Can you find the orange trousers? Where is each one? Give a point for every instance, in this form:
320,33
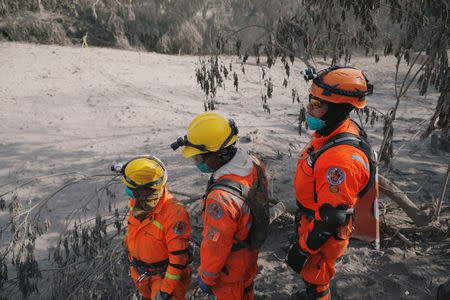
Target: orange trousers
319,267
244,290
149,287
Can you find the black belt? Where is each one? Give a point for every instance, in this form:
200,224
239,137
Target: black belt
237,247
155,265
305,211
145,269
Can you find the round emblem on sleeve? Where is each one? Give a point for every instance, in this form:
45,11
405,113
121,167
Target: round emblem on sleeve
215,211
335,176
179,228
334,189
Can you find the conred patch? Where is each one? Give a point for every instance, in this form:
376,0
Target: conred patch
335,176
215,211
334,188
212,234
179,228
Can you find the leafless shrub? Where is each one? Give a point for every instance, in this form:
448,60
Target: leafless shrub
184,39
33,28
87,256
91,261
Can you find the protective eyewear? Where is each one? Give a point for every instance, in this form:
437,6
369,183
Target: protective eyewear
315,102
180,142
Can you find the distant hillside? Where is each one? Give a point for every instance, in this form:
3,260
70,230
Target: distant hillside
163,26
182,26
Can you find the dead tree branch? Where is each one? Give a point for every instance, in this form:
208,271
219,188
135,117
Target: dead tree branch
393,192
441,197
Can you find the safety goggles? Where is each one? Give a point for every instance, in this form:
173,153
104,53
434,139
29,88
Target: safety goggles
180,142
315,102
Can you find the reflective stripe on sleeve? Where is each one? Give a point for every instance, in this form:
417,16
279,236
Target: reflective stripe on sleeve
241,204
361,160
237,200
246,208
157,224
208,274
171,276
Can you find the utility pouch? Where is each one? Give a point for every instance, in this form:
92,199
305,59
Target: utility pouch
344,232
295,259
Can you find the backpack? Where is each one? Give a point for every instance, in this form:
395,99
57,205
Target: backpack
357,141
257,200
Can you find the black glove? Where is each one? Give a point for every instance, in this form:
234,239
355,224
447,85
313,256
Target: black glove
333,218
296,258
161,296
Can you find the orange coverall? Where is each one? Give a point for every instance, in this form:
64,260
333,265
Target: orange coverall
339,175
162,238
225,266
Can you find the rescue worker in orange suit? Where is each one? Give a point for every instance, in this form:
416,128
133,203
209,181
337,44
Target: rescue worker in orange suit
327,191
226,267
158,232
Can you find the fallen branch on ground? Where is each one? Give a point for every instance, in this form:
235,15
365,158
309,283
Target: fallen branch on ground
399,197
441,196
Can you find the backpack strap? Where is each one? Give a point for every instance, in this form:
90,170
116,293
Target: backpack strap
347,138
242,191
229,185
235,187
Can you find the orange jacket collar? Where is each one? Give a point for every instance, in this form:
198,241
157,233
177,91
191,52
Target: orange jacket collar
343,127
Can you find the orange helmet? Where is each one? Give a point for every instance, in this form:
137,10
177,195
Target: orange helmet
340,85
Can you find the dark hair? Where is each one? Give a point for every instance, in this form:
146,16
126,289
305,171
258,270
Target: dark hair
226,154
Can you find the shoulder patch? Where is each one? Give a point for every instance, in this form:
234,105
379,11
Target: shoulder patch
212,234
335,176
215,211
179,228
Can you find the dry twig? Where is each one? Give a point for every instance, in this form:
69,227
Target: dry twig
441,197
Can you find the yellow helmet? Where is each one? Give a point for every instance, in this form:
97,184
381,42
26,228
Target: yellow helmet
144,172
208,132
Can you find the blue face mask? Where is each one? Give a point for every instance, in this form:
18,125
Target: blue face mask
315,123
129,192
204,168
